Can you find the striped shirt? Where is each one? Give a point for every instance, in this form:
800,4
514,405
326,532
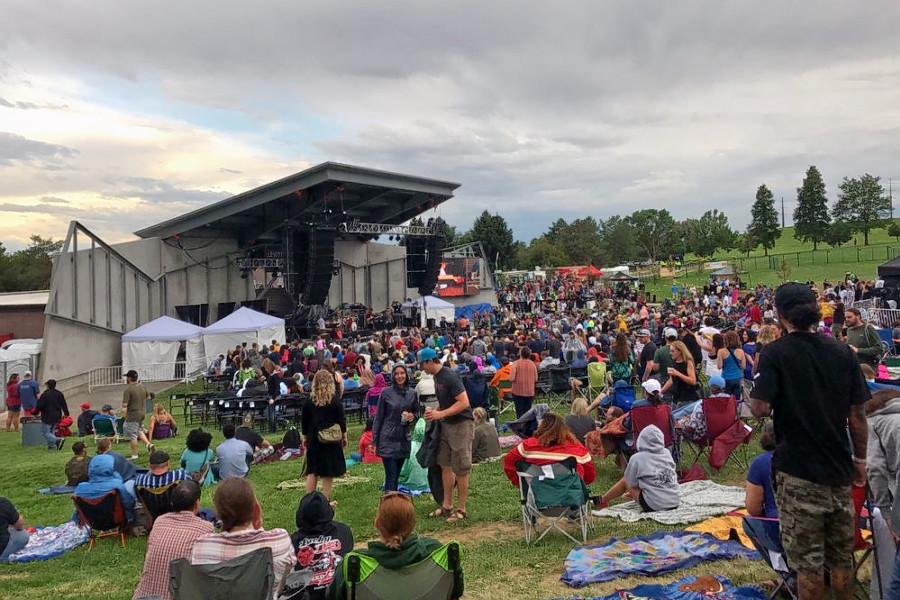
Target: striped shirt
172,537
220,547
523,373
149,480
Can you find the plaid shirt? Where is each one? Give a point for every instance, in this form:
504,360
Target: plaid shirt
219,547
172,537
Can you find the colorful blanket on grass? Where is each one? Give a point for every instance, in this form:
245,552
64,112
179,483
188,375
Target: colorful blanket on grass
705,587
662,552
700,500
50,542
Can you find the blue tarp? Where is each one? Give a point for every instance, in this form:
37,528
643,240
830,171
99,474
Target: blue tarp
468,310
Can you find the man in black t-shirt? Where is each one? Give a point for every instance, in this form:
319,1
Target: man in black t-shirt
13,536
814,387
456,434
261,446
647,352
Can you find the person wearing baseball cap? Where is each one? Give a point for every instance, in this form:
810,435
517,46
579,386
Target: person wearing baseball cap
134,401
159,475
815,390
86,419
658,368
457,432
646,352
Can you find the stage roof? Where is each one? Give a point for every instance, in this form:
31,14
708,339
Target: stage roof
365,194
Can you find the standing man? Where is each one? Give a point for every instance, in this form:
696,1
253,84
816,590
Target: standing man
29,390
814,387
862,338
662,358
52,406
134,401
457,431
648,351
523,374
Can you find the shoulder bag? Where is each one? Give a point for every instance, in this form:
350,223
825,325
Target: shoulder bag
330,435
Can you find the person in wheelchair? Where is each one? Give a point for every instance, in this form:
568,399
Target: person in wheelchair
397,546
552,442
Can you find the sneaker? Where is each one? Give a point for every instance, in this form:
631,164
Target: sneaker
133,457
60,443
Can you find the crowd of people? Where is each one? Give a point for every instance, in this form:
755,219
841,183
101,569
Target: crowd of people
793,353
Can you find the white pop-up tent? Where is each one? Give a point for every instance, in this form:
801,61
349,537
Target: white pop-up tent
156,343
243,325
431,307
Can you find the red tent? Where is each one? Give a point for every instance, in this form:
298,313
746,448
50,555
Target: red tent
581,271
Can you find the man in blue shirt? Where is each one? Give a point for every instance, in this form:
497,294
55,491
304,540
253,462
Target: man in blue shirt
234,455
29,390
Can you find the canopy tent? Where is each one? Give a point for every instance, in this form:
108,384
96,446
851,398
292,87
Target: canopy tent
727,271
581,271
156,343
243,325
620,276
890,271
431,307
468,311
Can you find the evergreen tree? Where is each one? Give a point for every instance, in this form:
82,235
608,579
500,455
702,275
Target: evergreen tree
862,204
811,218
764,229
496,238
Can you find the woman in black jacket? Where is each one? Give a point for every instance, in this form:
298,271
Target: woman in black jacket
397,409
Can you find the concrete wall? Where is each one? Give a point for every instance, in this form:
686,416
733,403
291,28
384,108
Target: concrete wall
71,349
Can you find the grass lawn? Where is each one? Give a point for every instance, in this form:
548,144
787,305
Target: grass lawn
497,563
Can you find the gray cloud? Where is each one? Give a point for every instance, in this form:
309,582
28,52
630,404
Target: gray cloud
15,148
539,109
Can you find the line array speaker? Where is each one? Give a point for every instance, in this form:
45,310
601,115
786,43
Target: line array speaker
433,256
318,266
415,260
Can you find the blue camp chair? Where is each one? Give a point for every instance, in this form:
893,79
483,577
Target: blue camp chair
622,395
765,534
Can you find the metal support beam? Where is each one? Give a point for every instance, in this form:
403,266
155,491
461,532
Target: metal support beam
386,229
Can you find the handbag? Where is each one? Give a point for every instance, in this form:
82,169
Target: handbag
330,435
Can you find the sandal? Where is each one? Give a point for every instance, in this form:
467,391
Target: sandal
458,515
440,512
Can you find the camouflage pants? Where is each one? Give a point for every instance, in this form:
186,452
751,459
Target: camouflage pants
817,524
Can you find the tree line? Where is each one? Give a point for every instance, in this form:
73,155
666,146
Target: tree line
654,234
29,268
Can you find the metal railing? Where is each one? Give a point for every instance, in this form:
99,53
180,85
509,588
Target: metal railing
115,375
884,317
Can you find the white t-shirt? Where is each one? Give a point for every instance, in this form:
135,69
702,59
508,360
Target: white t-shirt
707,333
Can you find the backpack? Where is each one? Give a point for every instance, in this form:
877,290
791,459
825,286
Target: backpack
291,438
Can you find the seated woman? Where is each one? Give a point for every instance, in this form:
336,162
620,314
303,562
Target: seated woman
102,479
366,451
552,442
374,393
162,424
579,421
485,444
320,543
242,532
760,497
397,545
197,457
650,475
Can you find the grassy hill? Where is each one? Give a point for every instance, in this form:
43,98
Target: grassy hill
787,243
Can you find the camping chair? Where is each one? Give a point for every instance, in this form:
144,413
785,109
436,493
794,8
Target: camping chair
721,415
766,537
105,516
661,416
556,493
862,508
596,378
622,395
429,579
104,428
250,576
558,388
157,501
504,402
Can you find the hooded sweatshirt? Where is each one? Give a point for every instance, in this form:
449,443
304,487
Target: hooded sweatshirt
391,435
321,544
102,480
414,549
883,455
653,471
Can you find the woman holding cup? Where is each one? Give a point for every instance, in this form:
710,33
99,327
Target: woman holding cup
395,413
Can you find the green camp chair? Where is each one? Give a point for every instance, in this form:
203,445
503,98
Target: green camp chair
105,428
556,494
597,382
430,579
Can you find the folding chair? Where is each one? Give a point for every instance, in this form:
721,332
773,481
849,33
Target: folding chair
555,493
596,372
622,395
720,414
505,404
250,576
765,534
432,578
354,404
105,516
661,416
558,387
157,501
104,428
862,508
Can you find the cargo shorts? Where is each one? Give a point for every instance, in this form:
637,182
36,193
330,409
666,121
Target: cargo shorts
817,524
131,430
455,449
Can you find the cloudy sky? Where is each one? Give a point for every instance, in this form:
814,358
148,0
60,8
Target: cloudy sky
121,114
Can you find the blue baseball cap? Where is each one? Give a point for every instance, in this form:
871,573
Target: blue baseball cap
717,381
426,354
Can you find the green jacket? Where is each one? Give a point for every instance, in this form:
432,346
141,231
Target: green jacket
414,549
867,342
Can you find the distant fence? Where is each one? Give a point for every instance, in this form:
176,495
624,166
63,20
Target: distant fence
845,254
109,376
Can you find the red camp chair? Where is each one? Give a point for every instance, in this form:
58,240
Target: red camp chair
721,423
661,416
862,508
105,516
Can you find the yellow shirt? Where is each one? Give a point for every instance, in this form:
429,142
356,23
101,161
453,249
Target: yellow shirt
826,310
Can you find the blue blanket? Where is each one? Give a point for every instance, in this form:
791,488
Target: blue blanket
58,489
662,552
706,587
50,542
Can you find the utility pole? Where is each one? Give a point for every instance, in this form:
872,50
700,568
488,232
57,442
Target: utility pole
782,212
891,196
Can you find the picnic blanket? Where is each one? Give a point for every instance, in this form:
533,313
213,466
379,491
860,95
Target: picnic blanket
699,500
57,489
728,527
662,552
508,441
705,587
299,484
50,542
